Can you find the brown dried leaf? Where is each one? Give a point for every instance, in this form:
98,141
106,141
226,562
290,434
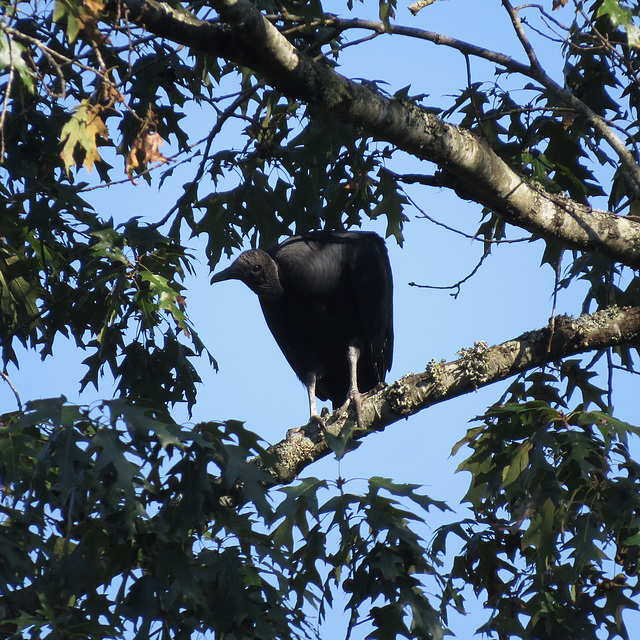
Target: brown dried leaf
145,149
95,5
567,120
110,92
88,24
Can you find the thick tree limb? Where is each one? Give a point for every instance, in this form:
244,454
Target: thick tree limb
475,171
567,98
477,367
533,71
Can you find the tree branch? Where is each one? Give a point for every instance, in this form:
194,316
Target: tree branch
466,48
533,71
475,171
567,98
477,367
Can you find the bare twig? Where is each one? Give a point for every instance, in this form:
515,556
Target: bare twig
458,285
544,13
522,36
472,97
346,45
554,306
469,236
463,47
15,392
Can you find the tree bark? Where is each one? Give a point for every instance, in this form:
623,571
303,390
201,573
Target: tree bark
477,367
476,173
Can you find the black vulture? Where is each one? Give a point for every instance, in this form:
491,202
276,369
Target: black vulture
327,298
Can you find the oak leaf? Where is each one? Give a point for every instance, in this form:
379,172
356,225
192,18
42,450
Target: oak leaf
79,136
145,149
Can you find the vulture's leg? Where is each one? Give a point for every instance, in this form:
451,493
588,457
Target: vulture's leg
354,397
314,418
310,383
311,391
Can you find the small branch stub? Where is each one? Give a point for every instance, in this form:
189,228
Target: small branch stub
419,5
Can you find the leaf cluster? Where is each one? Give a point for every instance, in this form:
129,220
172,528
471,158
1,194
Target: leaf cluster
370,550
114,520
115,291
104,517
556,501
297,172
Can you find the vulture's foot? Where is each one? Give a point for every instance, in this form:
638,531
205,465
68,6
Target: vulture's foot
354,400
313,429
319,420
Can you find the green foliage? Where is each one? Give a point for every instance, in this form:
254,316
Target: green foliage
555,498
113,497
92,279
118,522
377,554
327,175
12,58
113,519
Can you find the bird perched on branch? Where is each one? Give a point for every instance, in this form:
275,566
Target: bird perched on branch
327,299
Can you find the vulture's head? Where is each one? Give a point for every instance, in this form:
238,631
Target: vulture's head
258,270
